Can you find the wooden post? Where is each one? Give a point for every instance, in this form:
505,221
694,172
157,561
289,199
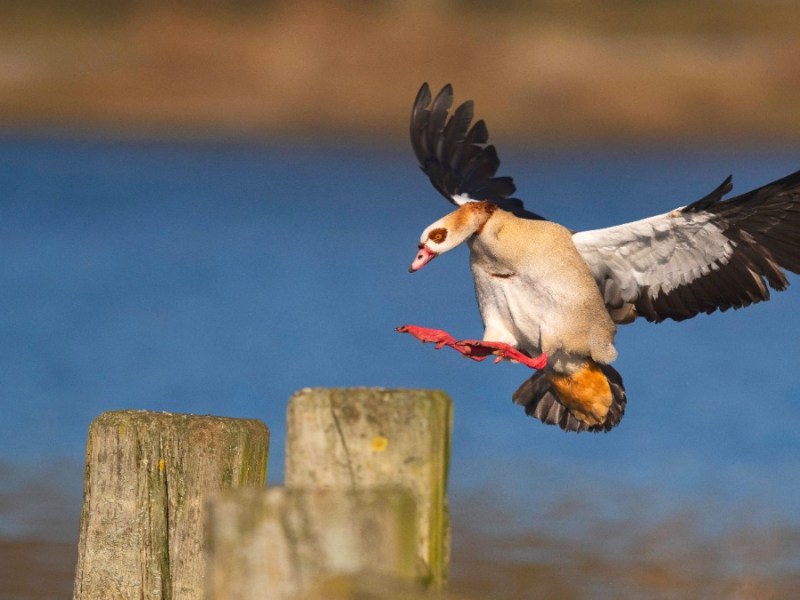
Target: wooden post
278,543
365,438
146,478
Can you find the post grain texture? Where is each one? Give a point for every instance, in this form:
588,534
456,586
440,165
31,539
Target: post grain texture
277,543
366,438
146,480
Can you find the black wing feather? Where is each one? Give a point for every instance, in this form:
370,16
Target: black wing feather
760,233
764,225
455,156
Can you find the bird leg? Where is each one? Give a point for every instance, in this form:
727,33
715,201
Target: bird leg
502,351
475,349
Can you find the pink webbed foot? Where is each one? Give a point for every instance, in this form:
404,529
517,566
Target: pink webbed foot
425,334
475,349
441,339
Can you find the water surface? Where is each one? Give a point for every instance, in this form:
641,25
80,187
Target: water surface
222,277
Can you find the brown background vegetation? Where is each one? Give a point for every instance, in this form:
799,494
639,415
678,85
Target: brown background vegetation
543,71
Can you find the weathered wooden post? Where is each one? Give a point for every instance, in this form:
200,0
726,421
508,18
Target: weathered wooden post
279,543
146,479
366,438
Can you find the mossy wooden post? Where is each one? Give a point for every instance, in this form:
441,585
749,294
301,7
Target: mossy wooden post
146,479
364,438
279,543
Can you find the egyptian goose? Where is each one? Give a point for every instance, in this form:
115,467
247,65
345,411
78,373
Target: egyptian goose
551,298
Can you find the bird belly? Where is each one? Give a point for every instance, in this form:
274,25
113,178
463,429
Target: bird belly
545,315
512,311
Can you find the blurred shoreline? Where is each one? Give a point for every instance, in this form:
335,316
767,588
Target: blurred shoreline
564,549
548,71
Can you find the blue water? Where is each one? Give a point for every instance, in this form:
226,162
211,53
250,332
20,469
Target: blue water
222,277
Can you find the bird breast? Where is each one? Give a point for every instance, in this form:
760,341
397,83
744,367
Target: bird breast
531,282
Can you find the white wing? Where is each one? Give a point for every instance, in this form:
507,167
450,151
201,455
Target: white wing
706,256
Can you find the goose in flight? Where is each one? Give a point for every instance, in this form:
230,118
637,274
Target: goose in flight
551,298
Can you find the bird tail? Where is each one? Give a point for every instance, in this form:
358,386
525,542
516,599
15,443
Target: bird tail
590,399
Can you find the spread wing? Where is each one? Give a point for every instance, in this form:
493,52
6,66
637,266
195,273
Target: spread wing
455,156
709,255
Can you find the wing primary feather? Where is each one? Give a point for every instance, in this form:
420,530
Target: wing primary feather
478,133
419,123
712,198
436,122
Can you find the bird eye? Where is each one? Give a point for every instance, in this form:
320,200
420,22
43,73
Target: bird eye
438,235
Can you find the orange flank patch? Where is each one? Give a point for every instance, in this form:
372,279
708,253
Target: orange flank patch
586,393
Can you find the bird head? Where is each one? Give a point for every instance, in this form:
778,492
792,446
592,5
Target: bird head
451,230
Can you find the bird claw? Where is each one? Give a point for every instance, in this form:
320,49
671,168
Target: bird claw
477,350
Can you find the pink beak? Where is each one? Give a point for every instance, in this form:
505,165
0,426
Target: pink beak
424,256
